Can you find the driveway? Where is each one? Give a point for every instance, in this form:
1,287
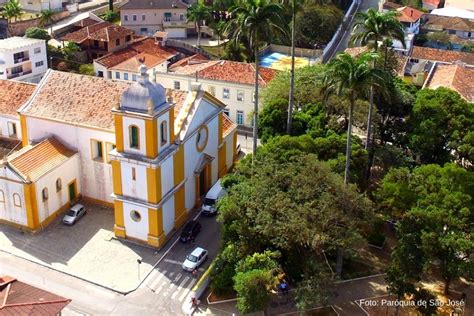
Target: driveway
87,250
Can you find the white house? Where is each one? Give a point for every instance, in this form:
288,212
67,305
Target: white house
38,5
411,19
23,59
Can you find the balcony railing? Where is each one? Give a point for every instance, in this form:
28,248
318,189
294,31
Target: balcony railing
20,60
177,23
19,74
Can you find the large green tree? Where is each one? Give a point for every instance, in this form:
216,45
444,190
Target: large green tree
441,128
257,21
12,10
435,205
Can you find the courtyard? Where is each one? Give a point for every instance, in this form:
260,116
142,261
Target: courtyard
87,250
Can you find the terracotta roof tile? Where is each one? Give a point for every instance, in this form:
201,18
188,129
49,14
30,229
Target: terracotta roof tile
194,59
18,298
457,77
79,99
433,22
101,31
76,99
449,56
227,125
14,94
225,70
145,45
32,162
409,14
85,22
432,2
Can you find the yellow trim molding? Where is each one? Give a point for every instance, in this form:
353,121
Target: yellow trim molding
156,236
180,213
222,168
178,165
153,177
219,131
117,177
119,228
235,145
31,206
119,132
171,125
24,130
151,138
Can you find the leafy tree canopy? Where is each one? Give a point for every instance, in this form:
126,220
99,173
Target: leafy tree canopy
38,33
441,127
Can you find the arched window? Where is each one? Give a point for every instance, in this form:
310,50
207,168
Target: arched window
2,197
134,132
59,185
44,194
16,200
164,133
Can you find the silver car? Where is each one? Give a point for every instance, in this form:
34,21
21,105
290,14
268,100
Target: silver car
195,259
74,214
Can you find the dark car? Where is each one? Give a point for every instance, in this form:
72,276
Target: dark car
190,231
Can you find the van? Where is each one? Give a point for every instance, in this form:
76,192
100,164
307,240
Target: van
212,196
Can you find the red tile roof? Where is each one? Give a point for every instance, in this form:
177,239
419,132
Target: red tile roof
196,58
225,70
76,99
227,125
146,45
85,22
80,99
457,77
101,31
432,2
32,162
409,14
14,94
449,56
18,298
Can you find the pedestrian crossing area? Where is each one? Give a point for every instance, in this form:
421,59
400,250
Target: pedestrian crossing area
170,284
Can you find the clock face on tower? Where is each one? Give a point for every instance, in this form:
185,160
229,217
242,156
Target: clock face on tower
201,138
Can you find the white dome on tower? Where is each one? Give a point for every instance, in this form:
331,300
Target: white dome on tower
143,96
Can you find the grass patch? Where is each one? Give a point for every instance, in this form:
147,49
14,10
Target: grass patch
214,50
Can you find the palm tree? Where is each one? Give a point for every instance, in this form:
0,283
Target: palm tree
352,78
257,21
218,28
198,13
12,10
370,28
46,18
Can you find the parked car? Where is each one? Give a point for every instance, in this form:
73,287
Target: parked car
195,259
190,231
214,194
74,214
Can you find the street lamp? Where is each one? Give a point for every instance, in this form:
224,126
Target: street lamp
139,261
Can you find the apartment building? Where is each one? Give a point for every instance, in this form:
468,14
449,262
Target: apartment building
147,17
23,59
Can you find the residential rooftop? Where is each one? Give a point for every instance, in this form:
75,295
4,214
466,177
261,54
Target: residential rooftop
460,4
434,3
434,22
16,42
18,298
457,77
448,56
408,14
13,94
34,161
145,49
100,31
155,4
224,70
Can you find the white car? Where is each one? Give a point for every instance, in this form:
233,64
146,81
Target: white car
74,213
195,259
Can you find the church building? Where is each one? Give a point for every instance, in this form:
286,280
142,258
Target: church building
150,153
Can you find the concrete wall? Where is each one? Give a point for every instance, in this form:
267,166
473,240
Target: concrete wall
6,130
67,172
19,28
11,185
38,5
96,176
153,18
